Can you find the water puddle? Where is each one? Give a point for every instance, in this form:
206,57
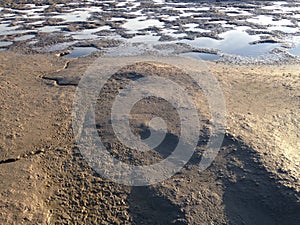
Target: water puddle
89,33
170,18
193,23
5,43
85,36
141,23
235,42
144,38
201,56
14,31
5,29
194,27
284,29
75,16
269,20
255,50
279,7
37,22
78,52
24,37
50,29
295,51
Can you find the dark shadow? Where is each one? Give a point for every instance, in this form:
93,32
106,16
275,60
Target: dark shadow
253,196
166,147
148,208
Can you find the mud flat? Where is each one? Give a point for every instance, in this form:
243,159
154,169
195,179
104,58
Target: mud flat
45,180
251,48
259,31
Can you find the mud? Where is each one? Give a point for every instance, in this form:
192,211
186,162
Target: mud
253,180
275,24
252,48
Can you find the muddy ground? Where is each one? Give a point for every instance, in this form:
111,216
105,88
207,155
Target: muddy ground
268,31
255,179
45,180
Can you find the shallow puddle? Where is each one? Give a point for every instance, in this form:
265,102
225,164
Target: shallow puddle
5,43
284,29
144,38
235,42
5,29
24,37
142,23
89,33
78,52
295,51
195,24
49,29
269,20
201,56
75,16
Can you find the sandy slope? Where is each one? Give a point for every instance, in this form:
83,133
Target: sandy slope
44,180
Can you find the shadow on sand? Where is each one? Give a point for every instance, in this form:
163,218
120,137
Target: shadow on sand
254,197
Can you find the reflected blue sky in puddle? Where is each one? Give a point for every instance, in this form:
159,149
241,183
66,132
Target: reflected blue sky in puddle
202,56
295,51
5,43
78,52
25,37
142,22
89,33
74,16
234,42
148,38
50,29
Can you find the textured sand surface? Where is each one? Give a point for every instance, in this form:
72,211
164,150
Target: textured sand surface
44,180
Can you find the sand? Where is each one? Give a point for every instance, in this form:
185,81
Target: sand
45,180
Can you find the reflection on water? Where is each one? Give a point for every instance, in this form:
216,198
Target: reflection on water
142,23
269,20
234,42
25,37
202,56
50,29
295,51
194,27
285,29
81,52
89,33
75,16
5,43
144,38
174,22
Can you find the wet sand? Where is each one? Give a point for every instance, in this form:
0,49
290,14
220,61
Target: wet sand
258,32
253,180
45,180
